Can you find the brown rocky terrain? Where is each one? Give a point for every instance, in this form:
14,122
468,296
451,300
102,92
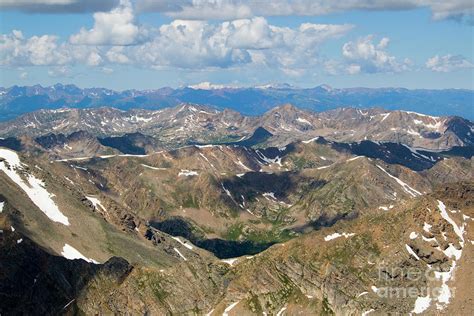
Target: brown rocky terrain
102,222
347,269
188,123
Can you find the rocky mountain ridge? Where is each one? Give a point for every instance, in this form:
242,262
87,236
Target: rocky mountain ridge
190,123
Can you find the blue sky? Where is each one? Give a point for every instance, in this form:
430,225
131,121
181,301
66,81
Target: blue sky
146,44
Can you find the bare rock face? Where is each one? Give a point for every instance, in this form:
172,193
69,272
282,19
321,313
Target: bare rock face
34,282
458,194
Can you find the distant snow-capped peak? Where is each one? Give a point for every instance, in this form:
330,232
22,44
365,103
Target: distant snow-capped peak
206,85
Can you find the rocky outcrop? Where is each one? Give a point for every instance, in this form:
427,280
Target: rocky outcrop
32,281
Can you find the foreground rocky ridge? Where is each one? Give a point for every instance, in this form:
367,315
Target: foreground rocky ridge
347,269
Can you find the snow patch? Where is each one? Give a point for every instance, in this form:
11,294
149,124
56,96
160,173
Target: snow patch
96,202
207,146
137,118
268,195
180,254
416,154
451,251
444,293
385,115
337,235
420,114
427,227
32,186
187,173
310,140
227,191
302,120
408,189
70,181
458,230
367,312
230,261
421,304
205,158
411,252
354,158
323,167
154,168
229,308
276,160
243,166
71,253
184,243
412,132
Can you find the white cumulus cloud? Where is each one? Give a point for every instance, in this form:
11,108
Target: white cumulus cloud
366,56
200,44
116,27
45,50
184,44
116,55
189,44
36,50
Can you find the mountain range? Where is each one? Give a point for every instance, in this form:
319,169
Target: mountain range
257,100
198,210
194,124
